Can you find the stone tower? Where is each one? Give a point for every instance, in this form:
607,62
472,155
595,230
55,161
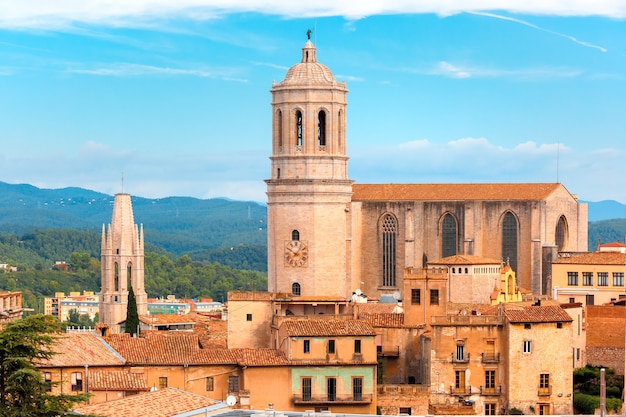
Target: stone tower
122,265
309,192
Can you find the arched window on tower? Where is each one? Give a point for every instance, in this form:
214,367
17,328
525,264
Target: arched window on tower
129,274
295,288
509,240
116,276
561,233
389,230
340,130
448,236
298,128
321,128
279,127
295,235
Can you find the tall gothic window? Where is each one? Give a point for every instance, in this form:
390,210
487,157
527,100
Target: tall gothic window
321,128
129,274
389,232
116,276
298,128
340,130
561,233
509,240
295,288
448,236
279,126
295,235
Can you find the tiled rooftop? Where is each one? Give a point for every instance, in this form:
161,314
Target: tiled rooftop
452,192
465,260
80,349
383,319
536,314
312,327
156,319
117,381
594,258
161,403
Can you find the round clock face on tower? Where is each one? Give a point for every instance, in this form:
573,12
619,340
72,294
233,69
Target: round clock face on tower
296,253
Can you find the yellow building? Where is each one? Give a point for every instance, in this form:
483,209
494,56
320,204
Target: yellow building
592,278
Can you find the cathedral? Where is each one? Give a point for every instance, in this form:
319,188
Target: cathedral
328,236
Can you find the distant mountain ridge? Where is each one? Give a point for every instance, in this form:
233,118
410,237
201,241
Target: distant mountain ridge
178,224
185,224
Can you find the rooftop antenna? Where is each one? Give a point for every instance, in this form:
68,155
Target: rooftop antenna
122,182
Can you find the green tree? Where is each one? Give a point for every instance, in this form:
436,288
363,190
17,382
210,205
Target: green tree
132,316
23,343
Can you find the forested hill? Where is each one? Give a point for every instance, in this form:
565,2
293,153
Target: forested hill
179,225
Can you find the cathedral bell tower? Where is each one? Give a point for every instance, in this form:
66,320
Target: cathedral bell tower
309,192
122,265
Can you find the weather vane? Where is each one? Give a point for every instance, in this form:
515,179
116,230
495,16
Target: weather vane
308,34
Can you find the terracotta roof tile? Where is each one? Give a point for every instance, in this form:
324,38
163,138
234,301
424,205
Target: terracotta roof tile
383,319
161,403
612,245
374,308
453,192
594,258
465,260
313,327
80,349
260,357
155,319
117,381
536,314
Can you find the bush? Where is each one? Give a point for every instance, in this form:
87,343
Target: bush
515,411
585,403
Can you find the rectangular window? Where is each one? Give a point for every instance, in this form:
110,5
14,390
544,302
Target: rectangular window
77,381
618,279
544,383
459,381
357,389
404,411
357,346
588,278
331,389
416,296
233,384
572,278
434,297
490,409
603,279
47,377
306,389
460,352
210,383
307,346
527,346
527,326
331,346
162,382
248,317
490,379
589,299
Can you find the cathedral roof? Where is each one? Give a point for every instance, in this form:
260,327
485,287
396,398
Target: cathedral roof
308,71
453,192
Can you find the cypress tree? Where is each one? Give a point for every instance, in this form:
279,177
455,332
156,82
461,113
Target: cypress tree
132,316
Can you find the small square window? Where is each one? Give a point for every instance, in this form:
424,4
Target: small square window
559,325
248,317
162,382
210,383
527,326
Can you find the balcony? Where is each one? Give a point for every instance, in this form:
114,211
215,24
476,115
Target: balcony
300,399
490,357
491,390
460,359
544,390
461,390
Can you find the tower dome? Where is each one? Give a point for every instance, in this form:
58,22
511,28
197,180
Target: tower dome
308,71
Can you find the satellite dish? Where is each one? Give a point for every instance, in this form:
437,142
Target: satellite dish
231,400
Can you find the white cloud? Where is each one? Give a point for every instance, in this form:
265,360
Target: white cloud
132,70
45,14
460,71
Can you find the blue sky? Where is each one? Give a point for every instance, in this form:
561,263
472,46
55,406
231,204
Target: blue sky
174,95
